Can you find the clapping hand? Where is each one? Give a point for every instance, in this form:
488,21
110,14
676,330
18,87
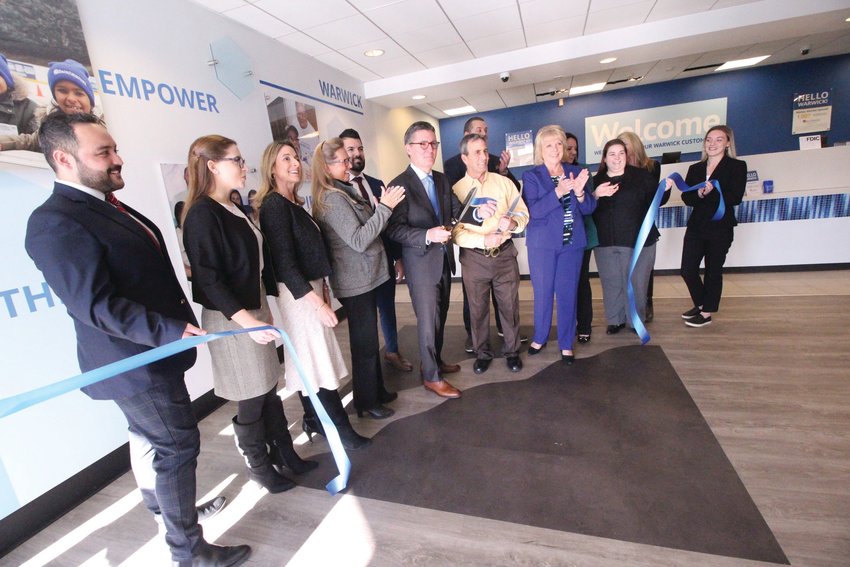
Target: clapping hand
606,189
392,196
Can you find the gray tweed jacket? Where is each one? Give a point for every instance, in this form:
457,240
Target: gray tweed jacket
352,232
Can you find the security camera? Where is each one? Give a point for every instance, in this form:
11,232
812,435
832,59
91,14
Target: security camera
804,50
505,77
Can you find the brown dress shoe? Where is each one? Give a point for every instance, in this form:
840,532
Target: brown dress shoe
442,388
398,362
449,368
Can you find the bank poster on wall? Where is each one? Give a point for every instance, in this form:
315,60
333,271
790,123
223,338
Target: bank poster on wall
36,334
812,112
521,147
672,128
297,122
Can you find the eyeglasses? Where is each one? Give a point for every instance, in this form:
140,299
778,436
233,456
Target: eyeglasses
238,160
346,160
424,145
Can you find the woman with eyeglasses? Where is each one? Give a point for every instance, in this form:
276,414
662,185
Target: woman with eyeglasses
352,230
301,265
231,275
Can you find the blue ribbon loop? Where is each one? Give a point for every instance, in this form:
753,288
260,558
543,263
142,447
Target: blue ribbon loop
18,402
643,234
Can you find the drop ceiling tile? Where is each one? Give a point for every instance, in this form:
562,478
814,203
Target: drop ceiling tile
427,39
500,43
551,11
475,8
392,50
493,22
485,101
304,44
516,96
539,33
346,32
364,5
396,66
298,15
720,56
407,15
727,3
445,55
605,5
257,19
220,5
766,48
666,9
629,71
619,17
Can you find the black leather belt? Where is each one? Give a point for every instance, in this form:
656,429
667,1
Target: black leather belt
493,252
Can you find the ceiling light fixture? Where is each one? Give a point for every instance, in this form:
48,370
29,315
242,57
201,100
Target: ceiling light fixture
587,89
418,96
738,63
373,52
608,60
460,110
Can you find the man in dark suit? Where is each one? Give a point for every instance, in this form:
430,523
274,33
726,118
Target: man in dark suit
370,188
455,171
109,265
419,224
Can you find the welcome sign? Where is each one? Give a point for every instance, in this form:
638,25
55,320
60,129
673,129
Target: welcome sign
673,128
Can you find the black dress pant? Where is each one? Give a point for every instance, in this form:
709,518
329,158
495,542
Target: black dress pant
712,246
584,307
366,376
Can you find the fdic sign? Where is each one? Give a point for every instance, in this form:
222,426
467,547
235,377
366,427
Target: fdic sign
673,128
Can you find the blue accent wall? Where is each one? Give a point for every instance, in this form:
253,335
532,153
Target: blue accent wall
759,106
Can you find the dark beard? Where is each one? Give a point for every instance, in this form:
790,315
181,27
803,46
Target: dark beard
99,180
358,165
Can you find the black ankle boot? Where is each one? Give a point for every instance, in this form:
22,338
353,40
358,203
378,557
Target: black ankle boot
251,442
333,405
277,433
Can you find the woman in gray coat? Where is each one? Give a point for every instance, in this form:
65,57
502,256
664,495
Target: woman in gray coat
352,226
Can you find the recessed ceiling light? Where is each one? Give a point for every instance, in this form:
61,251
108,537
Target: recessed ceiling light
608,60
373,52
847,19
460,110
738,63
587,88
418,96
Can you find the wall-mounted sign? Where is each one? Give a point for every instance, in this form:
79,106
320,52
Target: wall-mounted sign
673,128
521,147
812,112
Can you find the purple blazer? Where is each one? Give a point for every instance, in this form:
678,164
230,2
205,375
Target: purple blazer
546,225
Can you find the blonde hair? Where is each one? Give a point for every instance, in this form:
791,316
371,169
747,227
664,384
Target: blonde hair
268,185
322,179
201,179
638,151
730,135
545,132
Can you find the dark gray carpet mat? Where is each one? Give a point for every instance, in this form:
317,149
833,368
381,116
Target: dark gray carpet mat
613,446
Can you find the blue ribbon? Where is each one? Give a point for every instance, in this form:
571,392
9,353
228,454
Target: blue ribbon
18,402
643,234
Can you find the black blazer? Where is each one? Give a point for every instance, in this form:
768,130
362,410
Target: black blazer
732,175
456,169
295,241
618,217
225,259
411,220
118,287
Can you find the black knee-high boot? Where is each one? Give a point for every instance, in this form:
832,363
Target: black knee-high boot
251,442
333,405
280,441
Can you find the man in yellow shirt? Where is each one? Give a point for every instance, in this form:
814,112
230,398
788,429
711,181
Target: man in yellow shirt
487,253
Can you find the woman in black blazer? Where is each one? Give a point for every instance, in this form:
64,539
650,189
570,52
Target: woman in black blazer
705,238
301,265
231,276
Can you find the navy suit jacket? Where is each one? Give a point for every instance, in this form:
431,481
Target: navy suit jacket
411,220
118,287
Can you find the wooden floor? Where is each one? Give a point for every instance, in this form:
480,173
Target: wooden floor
771,375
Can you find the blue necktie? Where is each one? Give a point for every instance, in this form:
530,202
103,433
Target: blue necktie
428,181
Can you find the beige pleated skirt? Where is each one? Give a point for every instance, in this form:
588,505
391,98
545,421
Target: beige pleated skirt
242,368
315,344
